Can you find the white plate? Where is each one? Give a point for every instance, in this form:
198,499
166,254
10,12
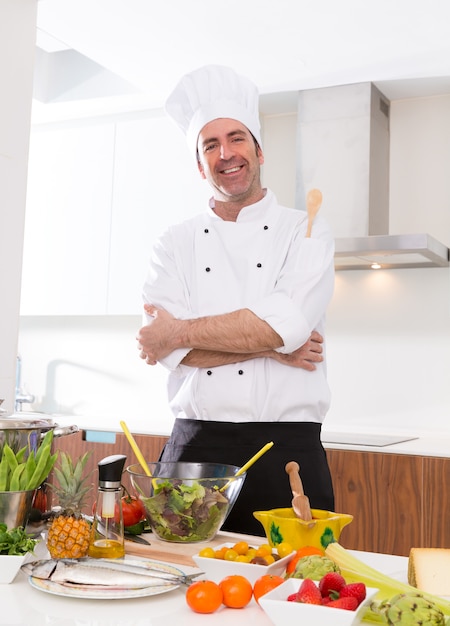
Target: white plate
61,589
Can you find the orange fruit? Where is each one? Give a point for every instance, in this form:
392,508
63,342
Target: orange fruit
266,583
237,591
299,554
204,596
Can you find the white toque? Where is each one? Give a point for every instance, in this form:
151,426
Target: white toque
209,93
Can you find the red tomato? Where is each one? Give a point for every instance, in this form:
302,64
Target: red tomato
133,511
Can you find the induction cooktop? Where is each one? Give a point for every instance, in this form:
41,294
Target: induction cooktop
363,439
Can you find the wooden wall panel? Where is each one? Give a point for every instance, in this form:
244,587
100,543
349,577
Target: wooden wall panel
384,494
436,502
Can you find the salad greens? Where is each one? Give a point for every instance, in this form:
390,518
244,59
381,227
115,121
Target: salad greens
15,541
186,513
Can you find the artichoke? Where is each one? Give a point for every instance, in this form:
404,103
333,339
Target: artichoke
314,567
411,609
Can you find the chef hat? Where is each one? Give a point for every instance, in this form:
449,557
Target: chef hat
209,93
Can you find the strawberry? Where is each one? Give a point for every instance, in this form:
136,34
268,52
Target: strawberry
331,584
309,592
292,597
350,603
354,590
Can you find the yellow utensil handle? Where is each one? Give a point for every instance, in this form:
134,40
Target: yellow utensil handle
254,458
250,462
135,448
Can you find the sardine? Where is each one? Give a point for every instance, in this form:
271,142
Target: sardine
102,573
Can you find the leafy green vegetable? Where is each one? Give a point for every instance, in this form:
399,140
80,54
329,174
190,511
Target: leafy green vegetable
15,541
20,474
185,513
136,529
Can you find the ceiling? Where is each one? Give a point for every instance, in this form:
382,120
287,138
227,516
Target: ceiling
100,56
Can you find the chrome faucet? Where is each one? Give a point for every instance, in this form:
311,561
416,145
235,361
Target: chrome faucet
21,397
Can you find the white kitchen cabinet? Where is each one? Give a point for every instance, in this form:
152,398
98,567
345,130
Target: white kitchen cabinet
98,195
67,224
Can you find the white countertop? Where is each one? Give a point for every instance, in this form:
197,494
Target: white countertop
424,444
438,446
23,605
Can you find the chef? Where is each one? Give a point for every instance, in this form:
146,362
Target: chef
235,303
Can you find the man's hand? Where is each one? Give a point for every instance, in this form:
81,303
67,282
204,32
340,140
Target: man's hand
305,356
158,338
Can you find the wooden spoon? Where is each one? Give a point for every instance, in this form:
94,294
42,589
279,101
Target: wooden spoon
300,502
313,204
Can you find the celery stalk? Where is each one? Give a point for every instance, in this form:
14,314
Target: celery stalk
354,570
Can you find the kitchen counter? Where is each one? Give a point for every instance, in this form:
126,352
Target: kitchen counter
421,443
23,605
415,443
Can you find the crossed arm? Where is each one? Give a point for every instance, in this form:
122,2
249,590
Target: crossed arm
221,340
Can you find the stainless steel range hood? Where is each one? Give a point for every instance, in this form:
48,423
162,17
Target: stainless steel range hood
343,148
390,252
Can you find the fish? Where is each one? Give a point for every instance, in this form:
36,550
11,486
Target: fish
103,573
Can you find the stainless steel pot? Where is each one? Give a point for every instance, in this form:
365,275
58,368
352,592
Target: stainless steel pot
19,430
15,507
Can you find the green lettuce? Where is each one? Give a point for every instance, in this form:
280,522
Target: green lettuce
185,513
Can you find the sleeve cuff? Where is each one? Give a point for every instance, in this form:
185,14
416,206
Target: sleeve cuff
173,360
284,317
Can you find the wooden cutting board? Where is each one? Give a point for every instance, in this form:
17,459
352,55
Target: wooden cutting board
182,553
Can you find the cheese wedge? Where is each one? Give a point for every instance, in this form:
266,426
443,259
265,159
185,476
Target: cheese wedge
429,570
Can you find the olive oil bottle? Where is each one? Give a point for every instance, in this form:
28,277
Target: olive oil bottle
107,532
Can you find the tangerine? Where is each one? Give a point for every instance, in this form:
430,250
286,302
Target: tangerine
264,584
237,591
299,554
204,596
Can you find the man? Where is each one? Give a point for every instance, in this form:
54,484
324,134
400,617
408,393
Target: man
235,300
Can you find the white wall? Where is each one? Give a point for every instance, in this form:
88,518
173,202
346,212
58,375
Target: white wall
388,331
89,367
17,45
389,341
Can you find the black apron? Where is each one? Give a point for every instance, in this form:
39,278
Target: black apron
266,485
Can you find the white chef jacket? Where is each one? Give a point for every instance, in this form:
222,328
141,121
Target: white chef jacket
262,262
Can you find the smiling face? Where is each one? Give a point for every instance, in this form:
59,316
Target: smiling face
230,161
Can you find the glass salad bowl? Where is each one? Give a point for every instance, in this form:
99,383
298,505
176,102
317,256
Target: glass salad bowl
186,502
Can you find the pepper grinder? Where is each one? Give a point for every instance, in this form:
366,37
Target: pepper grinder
107,537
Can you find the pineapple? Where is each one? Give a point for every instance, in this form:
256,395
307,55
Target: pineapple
68,534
